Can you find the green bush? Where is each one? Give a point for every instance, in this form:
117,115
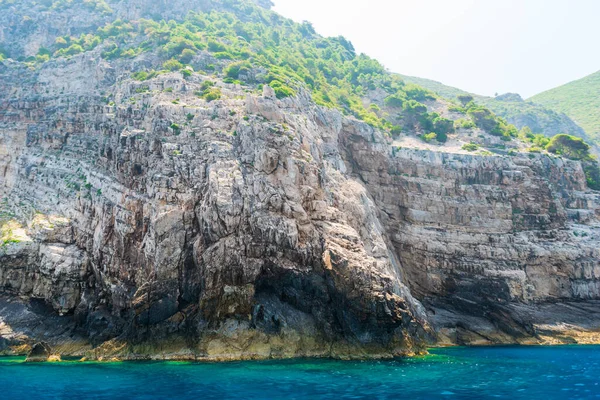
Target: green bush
464,124
470,147
441,137
483,118
442,125
395,101
418,93
396,130
69,51
281,89
540,140
414,107
144,75
216,47
233,70
172,65
456,109
206,85
569,146
212,94
592,175
186,56
428,137
464,99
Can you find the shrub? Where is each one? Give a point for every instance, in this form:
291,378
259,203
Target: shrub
395,101
396,130
172,65
414,107
463,124
69,51
592,175
441,137
428,137
442,125
233,70
483,118
60,43
470,147
186,56
569,146
418,93
144,75
540,140
456,109
212,94
216,47
281,89
464,99
525,134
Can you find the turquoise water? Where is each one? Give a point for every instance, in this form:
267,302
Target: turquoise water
461,373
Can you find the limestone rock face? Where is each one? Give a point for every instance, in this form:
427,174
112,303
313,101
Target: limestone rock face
241,234
159,225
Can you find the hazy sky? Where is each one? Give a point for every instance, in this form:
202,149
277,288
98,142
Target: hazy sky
483,46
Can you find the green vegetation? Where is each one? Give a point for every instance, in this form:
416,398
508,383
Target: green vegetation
484,119
245,39
576,149
470,147
211,94
464,124
253,46
579,100
569,146
540,118
538,140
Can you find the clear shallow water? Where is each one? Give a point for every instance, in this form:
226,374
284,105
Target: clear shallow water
462,373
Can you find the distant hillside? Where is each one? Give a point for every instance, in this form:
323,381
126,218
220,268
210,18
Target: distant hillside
580,100
539,118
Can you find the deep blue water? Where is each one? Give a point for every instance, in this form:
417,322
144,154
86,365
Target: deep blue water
570,372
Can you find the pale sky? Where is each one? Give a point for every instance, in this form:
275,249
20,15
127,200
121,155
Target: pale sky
482,46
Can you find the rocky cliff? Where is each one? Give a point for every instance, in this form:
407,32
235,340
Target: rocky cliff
162,224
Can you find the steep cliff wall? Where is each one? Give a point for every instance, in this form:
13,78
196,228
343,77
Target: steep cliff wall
223,229
139,219
257,227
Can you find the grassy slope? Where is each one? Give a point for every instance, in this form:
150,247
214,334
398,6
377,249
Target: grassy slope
579,99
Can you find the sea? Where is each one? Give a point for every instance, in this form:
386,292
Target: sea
563,372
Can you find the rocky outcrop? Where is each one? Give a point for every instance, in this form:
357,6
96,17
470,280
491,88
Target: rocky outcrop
40,352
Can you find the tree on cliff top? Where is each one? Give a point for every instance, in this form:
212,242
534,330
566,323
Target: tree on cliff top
569,146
